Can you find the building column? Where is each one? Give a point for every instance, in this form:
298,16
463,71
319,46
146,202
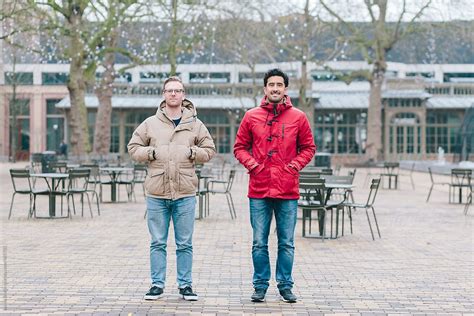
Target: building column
37,122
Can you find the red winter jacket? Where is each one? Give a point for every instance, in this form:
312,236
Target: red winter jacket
274,142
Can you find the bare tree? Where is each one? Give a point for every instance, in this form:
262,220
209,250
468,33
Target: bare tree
299,35
374,44
117,13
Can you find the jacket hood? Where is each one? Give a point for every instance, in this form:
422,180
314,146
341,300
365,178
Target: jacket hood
280,107
187,107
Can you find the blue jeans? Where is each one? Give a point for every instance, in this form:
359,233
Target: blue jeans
159,213
261,211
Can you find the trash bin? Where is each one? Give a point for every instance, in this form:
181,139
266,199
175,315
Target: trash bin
46,158
322,160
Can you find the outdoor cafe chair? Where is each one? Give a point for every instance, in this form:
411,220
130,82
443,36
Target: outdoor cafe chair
225,188
314,197
126,179
433,183
77,185
140,172
58,166
391,170
460,181
22,185
94,181
374,187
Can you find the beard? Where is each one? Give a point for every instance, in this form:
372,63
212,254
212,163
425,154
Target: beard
275,98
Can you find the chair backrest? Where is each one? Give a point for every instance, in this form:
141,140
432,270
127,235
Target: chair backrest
230,181
140,172
391,167
58,166
326,171
374,188
338,179
94,175
78,179
352,173
461,177
20,179
315,189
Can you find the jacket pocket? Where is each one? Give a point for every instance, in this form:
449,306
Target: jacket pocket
187,181
155,182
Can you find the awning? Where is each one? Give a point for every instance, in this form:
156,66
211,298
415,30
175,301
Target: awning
450,102
139,102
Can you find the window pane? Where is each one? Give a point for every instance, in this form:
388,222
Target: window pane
55,133
54,78
19,78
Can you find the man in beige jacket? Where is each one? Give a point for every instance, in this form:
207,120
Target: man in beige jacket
172,142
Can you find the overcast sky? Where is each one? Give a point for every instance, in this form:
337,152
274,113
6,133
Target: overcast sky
440,10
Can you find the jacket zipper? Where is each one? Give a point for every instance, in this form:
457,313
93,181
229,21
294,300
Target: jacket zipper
282,131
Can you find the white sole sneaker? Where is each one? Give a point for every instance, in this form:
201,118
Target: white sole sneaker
190,298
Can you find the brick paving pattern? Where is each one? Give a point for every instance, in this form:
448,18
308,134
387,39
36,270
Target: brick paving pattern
423,264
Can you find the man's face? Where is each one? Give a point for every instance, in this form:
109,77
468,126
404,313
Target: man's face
174,93
275,89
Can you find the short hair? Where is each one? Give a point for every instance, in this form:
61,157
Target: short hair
275,72
172,78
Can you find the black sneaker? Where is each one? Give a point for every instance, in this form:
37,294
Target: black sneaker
188,294
288,296
259,295
154,293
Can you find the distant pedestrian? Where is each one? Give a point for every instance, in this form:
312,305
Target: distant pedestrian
172,141
274,142
63,149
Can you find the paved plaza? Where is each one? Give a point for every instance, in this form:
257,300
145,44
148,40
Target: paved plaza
423,264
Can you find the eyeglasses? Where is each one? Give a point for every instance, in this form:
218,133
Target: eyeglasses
175,91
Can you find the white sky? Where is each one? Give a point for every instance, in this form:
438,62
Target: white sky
439,10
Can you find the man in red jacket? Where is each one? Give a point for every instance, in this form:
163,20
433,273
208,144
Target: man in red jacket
274,142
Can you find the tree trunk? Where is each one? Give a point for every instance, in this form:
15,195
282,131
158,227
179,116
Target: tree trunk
373,151
173,42
104,94
77,87
305,103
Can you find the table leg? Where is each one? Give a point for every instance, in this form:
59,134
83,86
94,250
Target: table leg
52,204
52,199
113,187
200,205
113,192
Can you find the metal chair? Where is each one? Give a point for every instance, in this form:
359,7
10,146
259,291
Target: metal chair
77,185
22,185
433,183
460,180
391,170
374,187
93,181
140,172
58,166
225,189
313,197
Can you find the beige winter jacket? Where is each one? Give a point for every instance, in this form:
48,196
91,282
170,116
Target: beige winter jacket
171,169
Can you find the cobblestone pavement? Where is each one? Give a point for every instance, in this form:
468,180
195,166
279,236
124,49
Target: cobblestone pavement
423,264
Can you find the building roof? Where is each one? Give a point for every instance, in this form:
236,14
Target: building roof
405,94
333,100
132,102
343,100
450,102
